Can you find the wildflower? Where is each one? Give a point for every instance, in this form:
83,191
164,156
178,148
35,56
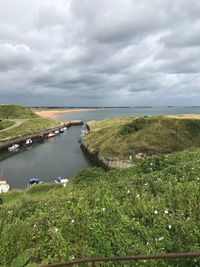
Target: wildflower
155,212
170,226
72,221
34,225
56,229
138,195
103,209
128,191
72,257
161,238
166,211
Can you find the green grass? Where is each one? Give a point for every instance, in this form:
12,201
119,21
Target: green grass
150,135
30,126
16,112
5,124
153,207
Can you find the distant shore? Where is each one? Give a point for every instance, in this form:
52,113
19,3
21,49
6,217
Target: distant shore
54,113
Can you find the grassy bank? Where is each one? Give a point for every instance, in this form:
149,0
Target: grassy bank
16,112
5,124
29,127
153,207
29,122
121,137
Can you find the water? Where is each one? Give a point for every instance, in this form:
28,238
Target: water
61,156
116,112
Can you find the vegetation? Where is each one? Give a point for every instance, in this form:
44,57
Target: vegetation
29,127
149,135
28,121
5,124
153,207
16,112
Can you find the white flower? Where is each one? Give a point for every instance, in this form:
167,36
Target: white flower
56,229
72,257
72,221
128,191
166,211
155,212
170,226
103,209
160,238
34,225
137,195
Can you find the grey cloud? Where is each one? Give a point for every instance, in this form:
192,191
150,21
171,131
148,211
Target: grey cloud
74,52
14,56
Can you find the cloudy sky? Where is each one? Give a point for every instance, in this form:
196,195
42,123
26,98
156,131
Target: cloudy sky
100,52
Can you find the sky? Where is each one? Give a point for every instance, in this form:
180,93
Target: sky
100,52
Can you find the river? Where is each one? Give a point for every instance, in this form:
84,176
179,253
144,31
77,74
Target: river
61,156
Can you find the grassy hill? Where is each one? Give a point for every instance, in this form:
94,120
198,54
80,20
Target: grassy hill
153,207
29,122
16,112
150,135
5,124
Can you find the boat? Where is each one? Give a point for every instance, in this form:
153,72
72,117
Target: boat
4,186
56,132
59,180
29,141
13,147
34,181
50,135
80,140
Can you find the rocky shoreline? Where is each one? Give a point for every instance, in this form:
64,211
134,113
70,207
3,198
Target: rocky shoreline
104,162
98,159
38,135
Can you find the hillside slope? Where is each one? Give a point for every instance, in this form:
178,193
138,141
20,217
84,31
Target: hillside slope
16,112
153,207
148,135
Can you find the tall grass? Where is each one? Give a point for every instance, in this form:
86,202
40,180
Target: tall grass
153,207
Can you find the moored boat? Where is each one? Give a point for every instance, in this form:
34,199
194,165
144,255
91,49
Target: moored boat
4,186
56,132
29,141
34,181
50,135
13,147
59,180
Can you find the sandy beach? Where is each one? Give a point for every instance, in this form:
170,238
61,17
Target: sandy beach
185,116
54,113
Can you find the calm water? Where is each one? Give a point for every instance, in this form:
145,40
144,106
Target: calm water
116,112
61,156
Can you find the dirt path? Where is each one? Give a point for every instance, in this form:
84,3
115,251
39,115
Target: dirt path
18,122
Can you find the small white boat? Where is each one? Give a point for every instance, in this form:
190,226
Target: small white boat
13,147
59,180
29,141
56,132
4,186
51,135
